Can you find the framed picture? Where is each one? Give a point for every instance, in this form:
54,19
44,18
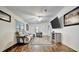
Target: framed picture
5,17
27,27
72,17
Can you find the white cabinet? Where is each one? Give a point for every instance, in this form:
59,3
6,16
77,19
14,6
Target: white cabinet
57,37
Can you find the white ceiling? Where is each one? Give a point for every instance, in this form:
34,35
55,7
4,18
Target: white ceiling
30,13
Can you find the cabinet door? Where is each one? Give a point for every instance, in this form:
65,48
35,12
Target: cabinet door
58,37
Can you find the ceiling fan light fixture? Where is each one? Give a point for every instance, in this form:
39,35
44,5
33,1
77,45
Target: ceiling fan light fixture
40,19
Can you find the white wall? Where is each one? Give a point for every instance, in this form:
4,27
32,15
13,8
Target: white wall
70,34
7,30
43,27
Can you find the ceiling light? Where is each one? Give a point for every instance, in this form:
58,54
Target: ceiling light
39,19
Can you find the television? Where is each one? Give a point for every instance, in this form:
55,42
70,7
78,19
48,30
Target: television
55,23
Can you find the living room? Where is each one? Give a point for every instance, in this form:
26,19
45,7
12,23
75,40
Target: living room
34,22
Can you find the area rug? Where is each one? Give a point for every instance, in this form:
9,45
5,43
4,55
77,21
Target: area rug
41,41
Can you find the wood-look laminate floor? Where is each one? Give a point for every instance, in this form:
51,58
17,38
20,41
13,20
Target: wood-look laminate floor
41,48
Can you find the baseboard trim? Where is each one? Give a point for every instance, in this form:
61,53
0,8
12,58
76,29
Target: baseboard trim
8,49
70,47
13,46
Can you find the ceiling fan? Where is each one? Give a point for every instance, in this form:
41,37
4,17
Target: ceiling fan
42,15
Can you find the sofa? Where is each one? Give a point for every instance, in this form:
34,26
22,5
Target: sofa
21,38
